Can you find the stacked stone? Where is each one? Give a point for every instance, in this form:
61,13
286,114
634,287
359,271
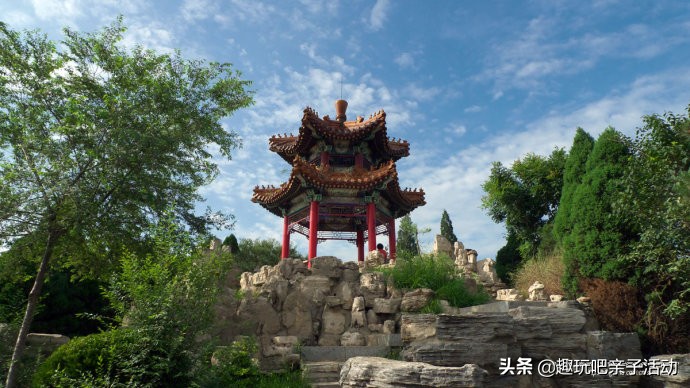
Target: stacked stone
556,331
331,304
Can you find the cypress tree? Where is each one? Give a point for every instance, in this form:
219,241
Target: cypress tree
407,236
573,173
447,228
231,243
597,237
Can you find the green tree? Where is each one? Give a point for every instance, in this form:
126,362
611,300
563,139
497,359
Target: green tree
598,237
508,258
167,299
252,254
231,243
447,227
655,200
407,237
572,177
525,196
97,142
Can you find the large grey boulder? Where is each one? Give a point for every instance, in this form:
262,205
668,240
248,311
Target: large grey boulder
372,285
387,306
442,246
416,299
297,316
675,368
417,327
329,266
260,312
381,372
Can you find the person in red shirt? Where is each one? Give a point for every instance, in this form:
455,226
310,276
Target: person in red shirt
383,252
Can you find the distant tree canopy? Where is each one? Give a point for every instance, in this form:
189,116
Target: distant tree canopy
97,142
525,196
447,227
231,243
253,253
407,237
622,212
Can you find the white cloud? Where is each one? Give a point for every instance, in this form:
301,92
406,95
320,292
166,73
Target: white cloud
18,18
193,10
405,60
62,10
151,35
378,14
473,109
453,181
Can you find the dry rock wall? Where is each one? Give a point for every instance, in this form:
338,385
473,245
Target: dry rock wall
554,331
331,304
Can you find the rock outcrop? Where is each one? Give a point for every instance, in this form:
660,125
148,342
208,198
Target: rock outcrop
381,372
548,332
331,304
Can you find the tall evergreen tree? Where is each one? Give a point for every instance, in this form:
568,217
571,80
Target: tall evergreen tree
573,173
407,236
447,228
231,243
508,258
598,237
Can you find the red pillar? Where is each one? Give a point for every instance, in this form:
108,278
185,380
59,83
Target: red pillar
324,159
286,238
371,225
359,160
391,239
313,230
360,246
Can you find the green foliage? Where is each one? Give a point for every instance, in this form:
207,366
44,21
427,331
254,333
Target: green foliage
98,141
167,297
111,355
71,306
598,237
253,254
573,173
508,258
655,201
525,196
231,243
433,307
447,227
436,273
407,237
237,367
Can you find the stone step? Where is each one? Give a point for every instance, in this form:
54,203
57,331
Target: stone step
326,385
341,353
322,373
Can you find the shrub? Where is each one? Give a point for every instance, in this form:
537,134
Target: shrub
111,355
618,306
237,367
436,273
549,270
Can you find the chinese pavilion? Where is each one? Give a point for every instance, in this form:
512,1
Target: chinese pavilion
343,184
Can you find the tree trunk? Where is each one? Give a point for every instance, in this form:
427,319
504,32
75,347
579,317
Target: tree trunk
30,309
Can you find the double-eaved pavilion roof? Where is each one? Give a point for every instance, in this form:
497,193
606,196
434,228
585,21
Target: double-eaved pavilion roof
357,182
373,130
339,166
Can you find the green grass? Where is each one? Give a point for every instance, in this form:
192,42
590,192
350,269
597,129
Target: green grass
438,274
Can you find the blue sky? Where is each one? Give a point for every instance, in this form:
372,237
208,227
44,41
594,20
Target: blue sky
466,83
